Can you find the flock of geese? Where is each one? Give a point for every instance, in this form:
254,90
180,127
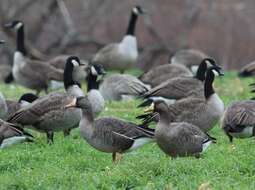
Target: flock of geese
178,96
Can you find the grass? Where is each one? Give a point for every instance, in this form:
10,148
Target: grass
70,163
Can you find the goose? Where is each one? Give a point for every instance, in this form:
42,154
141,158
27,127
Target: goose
47,114
238,119
191,58
202,112
11,134
178,139
30,73
182,87
122,86
248,70
123,55
4,69
24,100
157,75
109,134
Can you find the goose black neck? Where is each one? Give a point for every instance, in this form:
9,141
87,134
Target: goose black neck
200,75
21,41
92,82
208,86
132,23
68,76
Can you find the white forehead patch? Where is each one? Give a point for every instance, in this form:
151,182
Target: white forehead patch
135,10
94,71
17,26
75,63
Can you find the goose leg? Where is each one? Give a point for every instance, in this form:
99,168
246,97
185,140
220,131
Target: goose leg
66,132
116,157
50,136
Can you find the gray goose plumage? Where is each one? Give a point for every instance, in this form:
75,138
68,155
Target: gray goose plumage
182,87
190,58
30,73
12,134
202,112
239,119
248,70
123,55
24,100
3,107
47,114
178,138
159,74
121,86
109,134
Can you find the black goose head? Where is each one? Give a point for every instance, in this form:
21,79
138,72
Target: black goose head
201,71
208,85
136,10
28,97
2,41
71,62
95,70
19,27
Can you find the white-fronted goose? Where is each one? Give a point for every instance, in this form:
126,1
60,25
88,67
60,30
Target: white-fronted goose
109,134
178,138
121,86
11,134
123,55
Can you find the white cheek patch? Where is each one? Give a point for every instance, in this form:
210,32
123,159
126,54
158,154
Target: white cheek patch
135,10
215,73
208,63
93,71
75,63
17,26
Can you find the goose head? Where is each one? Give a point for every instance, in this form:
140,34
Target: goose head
27,97
202,68
95,71
138,10
16,24
72,63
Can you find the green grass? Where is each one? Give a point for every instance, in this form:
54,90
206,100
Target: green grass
70,163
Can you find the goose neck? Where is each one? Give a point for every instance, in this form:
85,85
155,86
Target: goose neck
200,75
208,85
132,24
68,77
21,41
92,82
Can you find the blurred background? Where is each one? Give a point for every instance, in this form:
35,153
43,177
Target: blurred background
224,29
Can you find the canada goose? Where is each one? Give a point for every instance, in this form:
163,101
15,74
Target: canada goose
178,138
47,114
159,74
121,56
11,134
30,73
191,58
248,70
238,119
109,134
202,112
182,87
24,100
121,86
